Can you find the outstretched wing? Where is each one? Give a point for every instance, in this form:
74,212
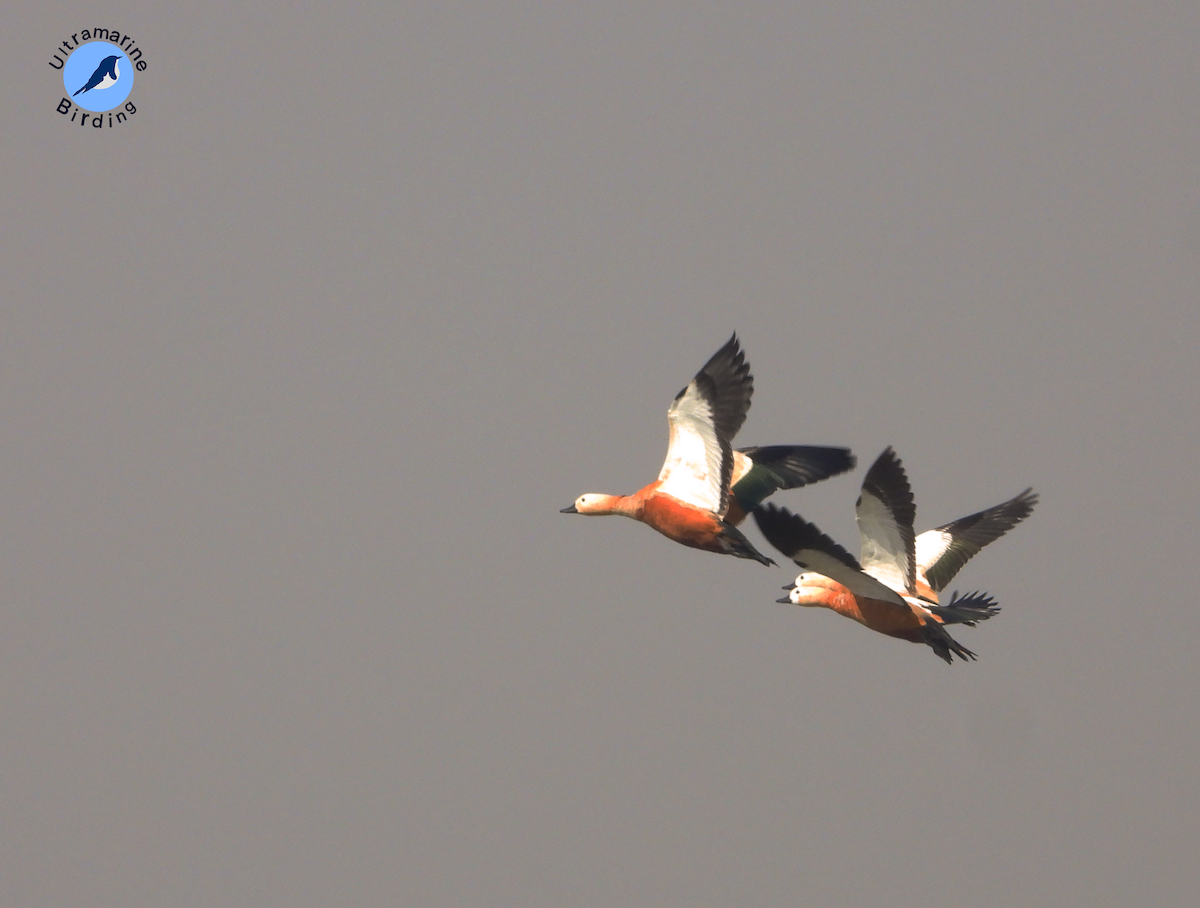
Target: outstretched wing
703,420
814,551
885,512
941,553
769,469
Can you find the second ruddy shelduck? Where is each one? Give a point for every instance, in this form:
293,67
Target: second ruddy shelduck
706,488
894,586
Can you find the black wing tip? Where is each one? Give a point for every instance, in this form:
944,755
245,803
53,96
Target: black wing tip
986,526
826,460
731,352
726,383
836,460
887,474
817,462
780,526
1027,501
1018,507
790,533
888,456
779,467
730,355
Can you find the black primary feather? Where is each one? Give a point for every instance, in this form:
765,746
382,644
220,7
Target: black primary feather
787,467
971,533
790,533
726,383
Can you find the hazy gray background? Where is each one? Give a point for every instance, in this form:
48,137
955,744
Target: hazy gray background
299,365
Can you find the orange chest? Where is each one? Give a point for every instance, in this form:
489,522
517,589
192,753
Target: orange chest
678,521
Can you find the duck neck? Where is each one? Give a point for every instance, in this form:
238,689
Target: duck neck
628,505
625,505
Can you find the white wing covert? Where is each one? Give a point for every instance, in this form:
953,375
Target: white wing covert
696,456
885,513
942,552
703,420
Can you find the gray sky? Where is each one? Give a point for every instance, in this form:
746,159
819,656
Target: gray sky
300,363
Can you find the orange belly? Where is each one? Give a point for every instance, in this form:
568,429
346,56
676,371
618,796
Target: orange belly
684,524
734,514
884,617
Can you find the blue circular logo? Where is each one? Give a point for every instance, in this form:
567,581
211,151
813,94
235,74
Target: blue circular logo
98,76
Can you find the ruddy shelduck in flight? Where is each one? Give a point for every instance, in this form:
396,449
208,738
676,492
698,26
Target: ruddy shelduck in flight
706,488
894,586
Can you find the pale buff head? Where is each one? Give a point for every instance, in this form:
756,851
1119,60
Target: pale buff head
810,588
594,503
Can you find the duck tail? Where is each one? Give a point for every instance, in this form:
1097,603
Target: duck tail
739,546
943,644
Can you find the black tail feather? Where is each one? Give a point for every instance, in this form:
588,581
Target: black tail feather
740,546
943,644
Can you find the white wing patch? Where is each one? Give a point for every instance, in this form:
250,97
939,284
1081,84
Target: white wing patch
741,466
692,470
885,554
931,546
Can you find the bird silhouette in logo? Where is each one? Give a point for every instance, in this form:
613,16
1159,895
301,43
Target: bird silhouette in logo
105,76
